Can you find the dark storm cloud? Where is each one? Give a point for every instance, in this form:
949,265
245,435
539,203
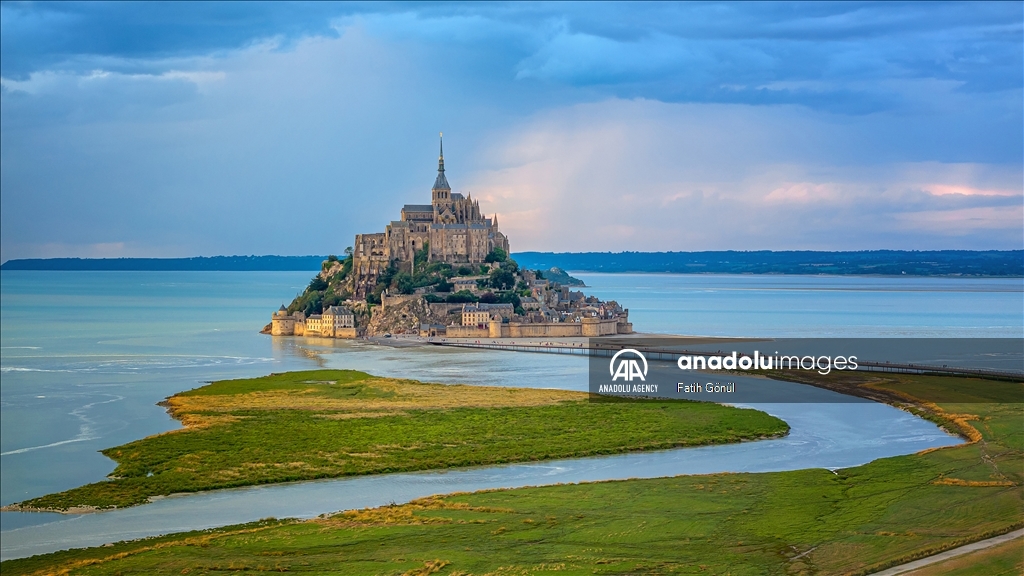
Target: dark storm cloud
182,128
681,52
41,35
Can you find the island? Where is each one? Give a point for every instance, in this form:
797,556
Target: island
442,270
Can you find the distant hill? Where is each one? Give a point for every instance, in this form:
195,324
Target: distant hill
203,263
1005,263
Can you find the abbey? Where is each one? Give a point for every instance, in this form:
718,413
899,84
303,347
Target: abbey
451,228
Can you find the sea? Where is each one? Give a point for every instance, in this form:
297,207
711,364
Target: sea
85,358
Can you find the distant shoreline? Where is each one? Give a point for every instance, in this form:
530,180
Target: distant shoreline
198,264
947,263
942,263
802,274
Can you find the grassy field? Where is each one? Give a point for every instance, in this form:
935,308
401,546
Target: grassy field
332,423
803,522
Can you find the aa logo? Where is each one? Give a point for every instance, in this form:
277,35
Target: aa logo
626,367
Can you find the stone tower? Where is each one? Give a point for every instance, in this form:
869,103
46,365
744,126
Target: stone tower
441,193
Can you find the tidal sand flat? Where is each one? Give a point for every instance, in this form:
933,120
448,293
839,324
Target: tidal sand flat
332,423
849,521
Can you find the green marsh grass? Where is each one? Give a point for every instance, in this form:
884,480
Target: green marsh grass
328,424
852,521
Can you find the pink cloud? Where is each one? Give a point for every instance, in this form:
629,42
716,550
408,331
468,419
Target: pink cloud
643,175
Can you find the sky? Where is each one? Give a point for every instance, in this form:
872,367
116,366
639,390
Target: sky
186,129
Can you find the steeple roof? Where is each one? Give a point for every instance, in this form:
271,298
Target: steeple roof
441,183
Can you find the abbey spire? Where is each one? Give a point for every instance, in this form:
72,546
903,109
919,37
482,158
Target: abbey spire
441,183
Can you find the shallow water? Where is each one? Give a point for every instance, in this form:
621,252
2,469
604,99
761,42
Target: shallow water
85,357
827,434
817,306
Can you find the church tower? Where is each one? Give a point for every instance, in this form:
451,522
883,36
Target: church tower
441,193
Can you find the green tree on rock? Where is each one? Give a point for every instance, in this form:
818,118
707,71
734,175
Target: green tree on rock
496,255
502,279
404,283
461,297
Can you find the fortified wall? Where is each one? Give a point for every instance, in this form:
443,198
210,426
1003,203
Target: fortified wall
586,327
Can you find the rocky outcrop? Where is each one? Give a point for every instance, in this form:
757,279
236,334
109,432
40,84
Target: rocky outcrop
404,317
559,276
329,270
362,312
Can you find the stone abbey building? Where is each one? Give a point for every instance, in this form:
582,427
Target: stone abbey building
451,226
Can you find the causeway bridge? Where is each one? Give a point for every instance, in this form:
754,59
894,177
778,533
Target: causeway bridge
581,347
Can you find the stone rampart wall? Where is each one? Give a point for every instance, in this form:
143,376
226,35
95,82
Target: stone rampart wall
593,327
545,329
467,332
